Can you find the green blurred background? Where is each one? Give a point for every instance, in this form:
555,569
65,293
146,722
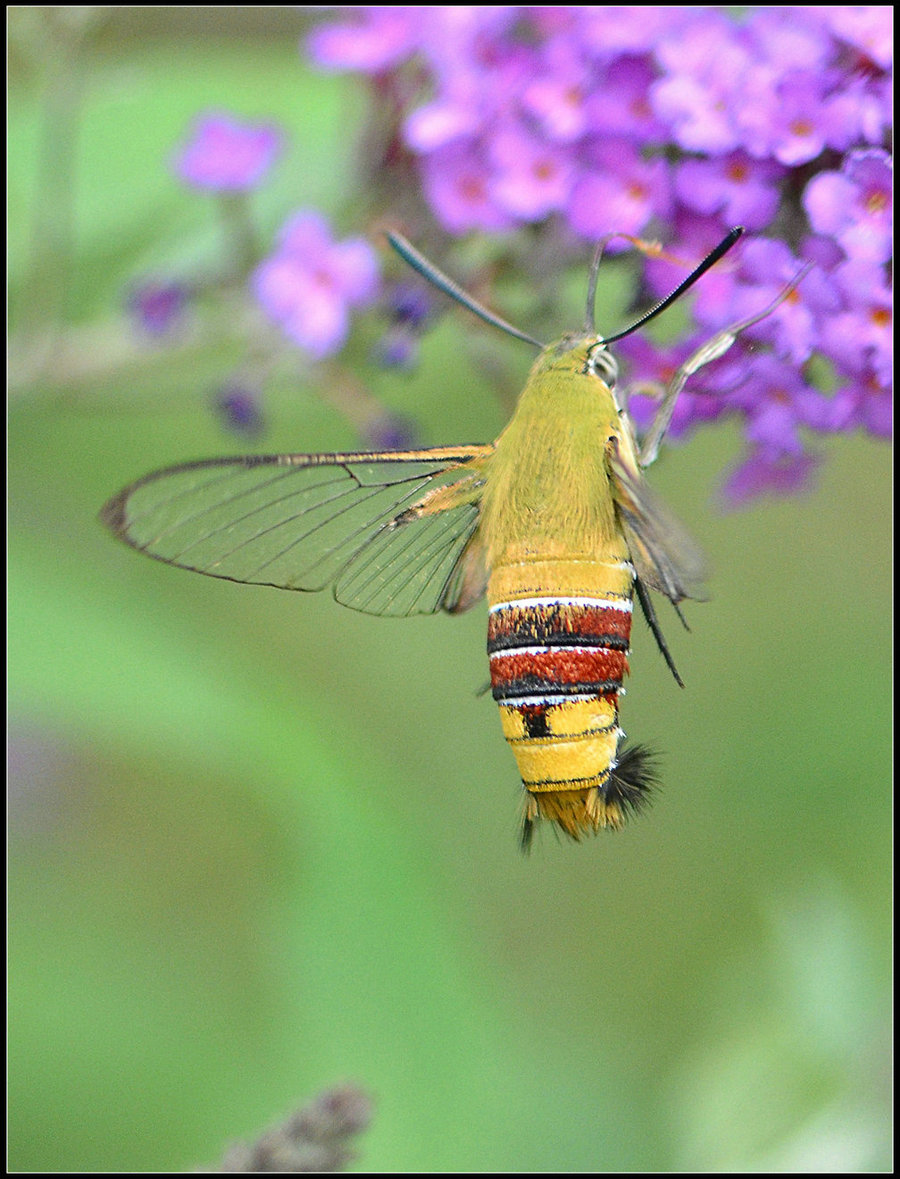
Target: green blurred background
261,844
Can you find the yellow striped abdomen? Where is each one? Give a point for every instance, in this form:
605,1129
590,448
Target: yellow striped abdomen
558,638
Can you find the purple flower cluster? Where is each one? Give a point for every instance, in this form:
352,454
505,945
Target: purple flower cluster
307,285
677,123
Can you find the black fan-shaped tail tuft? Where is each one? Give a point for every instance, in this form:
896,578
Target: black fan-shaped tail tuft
633,780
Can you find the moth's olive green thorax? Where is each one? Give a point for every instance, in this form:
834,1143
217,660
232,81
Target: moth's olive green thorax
577,353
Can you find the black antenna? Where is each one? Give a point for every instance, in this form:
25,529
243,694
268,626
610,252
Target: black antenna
710,260
437,278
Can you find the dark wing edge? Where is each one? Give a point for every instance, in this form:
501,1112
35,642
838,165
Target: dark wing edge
306,522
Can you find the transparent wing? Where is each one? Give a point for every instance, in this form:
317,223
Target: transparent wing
663,554
305,522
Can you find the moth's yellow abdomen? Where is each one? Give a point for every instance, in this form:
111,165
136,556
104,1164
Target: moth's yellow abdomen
557,664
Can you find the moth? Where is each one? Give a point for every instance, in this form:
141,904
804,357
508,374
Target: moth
553,521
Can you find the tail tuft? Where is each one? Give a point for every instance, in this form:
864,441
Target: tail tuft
609,803
633,780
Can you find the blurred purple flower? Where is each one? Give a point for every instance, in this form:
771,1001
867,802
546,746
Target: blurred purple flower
310,282
609,31
854,205
375,39
457,182
408,305
619,191
788,37
741,190
765,474
239,408
555,95
397,349
875,410
704,64
801,117
869,28
408,308
226,154
858,337
776,402
530,178
158,306
391,431
621,105
858,340
475,44
444,121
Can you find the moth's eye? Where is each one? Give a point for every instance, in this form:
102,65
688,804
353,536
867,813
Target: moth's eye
602,365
